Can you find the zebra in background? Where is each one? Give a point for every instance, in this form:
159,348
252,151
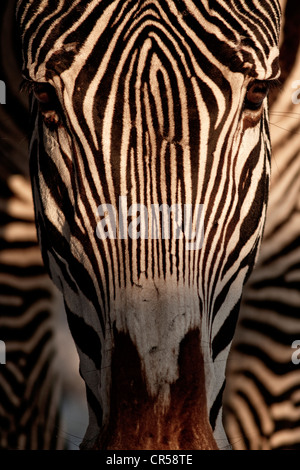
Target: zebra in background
262,399
150,103
32,381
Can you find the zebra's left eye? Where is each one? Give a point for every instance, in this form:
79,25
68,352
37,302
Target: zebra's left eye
256,93
43,92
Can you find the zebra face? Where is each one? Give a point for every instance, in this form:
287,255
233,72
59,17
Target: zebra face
152,110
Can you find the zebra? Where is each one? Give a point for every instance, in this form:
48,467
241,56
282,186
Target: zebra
261,401
154,104
33,385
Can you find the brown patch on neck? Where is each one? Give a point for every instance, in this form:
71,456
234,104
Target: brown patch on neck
137,421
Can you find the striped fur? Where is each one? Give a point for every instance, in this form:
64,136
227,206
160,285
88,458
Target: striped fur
152,101
263,393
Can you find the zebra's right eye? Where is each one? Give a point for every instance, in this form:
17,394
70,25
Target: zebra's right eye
256,93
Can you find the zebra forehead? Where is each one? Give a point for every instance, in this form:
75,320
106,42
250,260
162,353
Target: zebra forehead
244,35
217,15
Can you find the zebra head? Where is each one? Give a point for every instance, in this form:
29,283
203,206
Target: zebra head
150,163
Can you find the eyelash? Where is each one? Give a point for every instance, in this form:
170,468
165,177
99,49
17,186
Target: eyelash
26,86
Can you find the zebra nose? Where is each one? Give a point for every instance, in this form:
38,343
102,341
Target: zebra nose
140,421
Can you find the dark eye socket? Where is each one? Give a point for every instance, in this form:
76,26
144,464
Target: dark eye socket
49,105
44,92
256,93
